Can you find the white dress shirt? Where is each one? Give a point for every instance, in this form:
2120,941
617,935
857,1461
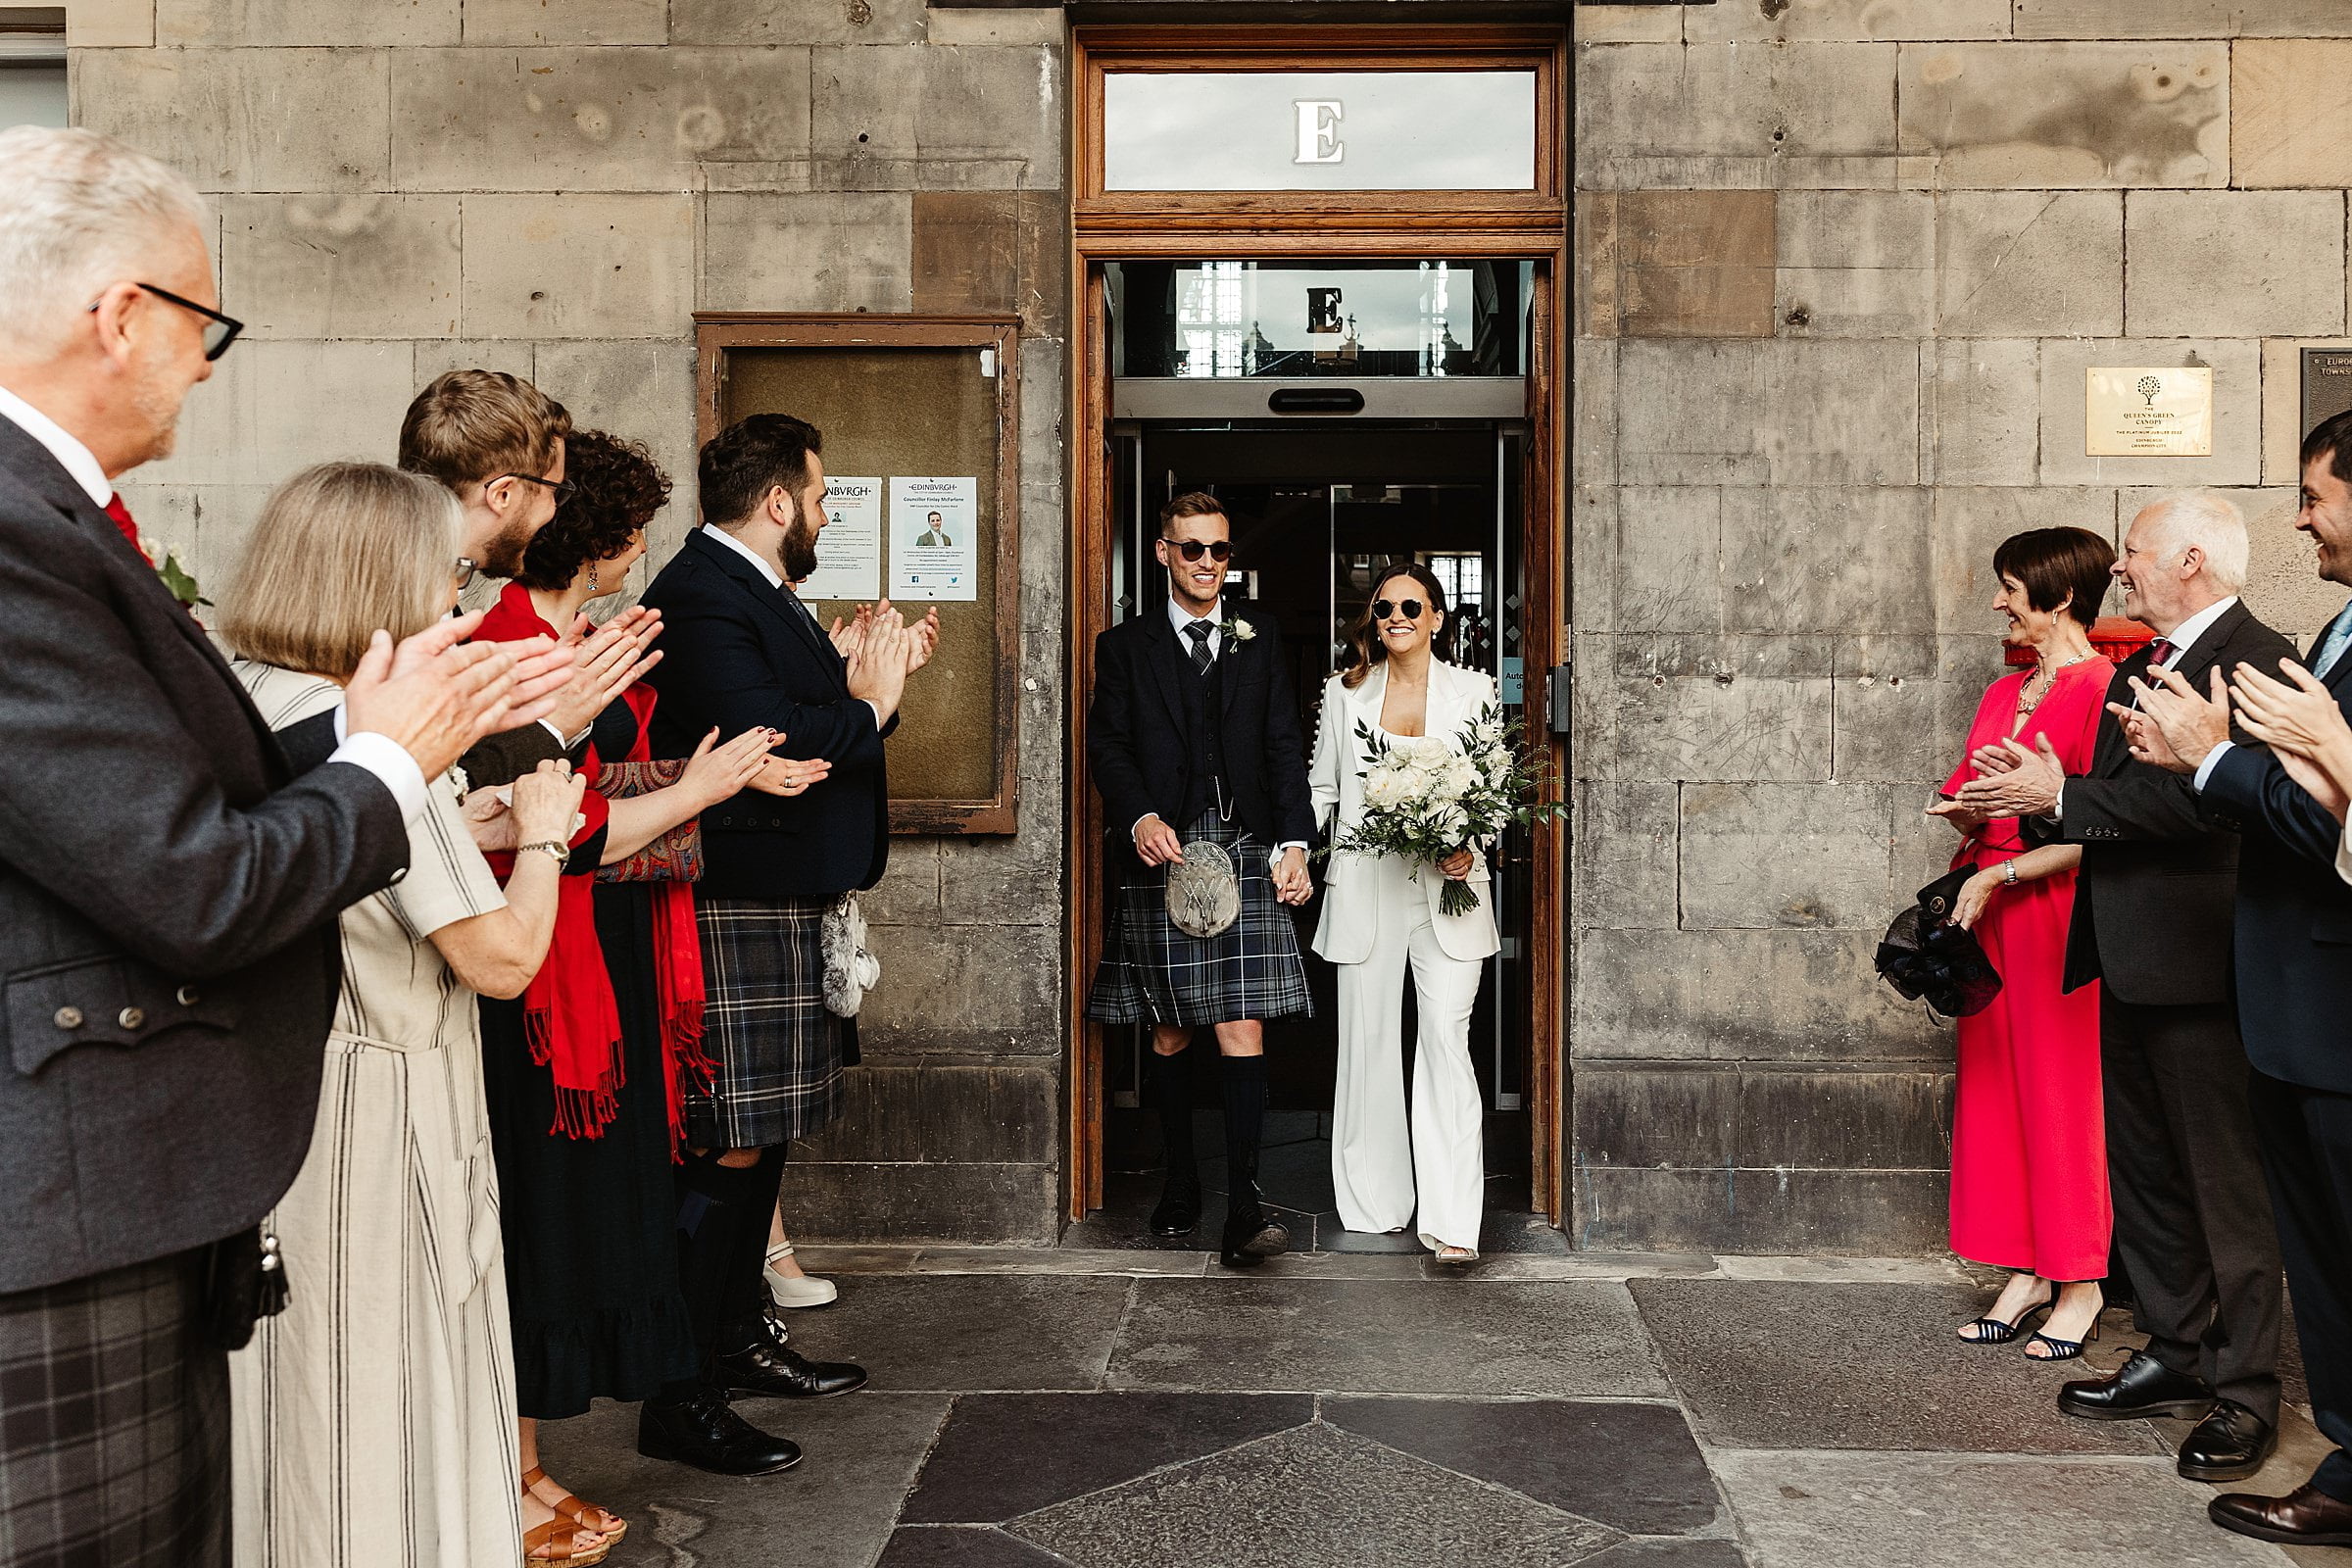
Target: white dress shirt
379,755
1181,618
776,580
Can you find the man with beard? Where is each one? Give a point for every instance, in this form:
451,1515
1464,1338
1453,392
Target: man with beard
497,442
742,651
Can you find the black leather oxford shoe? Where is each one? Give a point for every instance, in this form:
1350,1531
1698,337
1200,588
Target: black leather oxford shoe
2229,1444
771,1367
1179,1210
2142,1387
704,1433
2304,1517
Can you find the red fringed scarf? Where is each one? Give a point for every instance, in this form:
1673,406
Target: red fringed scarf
570,1016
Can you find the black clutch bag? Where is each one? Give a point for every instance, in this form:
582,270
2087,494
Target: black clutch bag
1926,958
244,1282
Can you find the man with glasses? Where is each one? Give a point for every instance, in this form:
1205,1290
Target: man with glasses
1193,737
170,878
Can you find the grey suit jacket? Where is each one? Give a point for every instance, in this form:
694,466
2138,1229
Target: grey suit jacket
169,889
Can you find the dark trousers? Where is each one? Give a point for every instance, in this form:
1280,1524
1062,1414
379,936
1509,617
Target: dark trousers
2306,1140
114,1422
2192,1217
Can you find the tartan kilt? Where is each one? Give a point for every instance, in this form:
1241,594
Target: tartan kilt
1153,973
114,1422
775,1053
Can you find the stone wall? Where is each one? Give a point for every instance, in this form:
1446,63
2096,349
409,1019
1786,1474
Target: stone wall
1842,264
551,188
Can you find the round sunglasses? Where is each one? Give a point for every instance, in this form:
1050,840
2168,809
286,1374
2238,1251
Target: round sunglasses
1383,609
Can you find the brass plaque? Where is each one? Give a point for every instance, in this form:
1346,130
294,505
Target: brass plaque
2326,385
2148,411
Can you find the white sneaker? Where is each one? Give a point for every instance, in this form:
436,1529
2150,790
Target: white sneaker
795,1289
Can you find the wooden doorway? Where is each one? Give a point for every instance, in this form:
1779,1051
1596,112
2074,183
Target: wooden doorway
1112,226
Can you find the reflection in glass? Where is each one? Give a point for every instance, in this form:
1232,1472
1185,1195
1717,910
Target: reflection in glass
1236,320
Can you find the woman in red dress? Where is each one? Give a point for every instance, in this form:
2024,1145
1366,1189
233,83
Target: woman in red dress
2029,1134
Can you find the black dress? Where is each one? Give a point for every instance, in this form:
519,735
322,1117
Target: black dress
590,1223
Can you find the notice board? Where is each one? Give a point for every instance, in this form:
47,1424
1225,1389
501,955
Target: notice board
922,412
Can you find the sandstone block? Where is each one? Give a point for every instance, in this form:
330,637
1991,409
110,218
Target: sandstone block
909,891
271,407
1724,726
1857,264
1825,560
797,22
1795,1212
543,22
1760,1119
1984,411
1755,995
1605,24
2236,417
437,355
807,252
578,265
2070,115
990,118
1669,559
1768,413
642,390
861,118
1033,24
239,120
1692,263
109,23
1731,115
2235,264
593,118
1763,854
992,251
1013,881
2283,98
1592,397
292,24
2181,19
1625,844
1886,704
347,266
1842,20
2029,262
968,989
1592,558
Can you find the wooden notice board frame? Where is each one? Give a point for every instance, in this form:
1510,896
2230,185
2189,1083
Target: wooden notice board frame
720,333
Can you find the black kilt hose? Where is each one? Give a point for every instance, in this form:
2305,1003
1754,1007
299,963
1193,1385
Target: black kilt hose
776,1054
1153,973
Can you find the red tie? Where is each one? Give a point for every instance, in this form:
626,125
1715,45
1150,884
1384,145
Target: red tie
2160,652
116,509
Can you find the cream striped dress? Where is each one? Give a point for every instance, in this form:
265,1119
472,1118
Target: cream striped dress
373,1420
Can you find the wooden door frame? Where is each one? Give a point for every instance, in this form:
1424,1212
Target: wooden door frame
1109,227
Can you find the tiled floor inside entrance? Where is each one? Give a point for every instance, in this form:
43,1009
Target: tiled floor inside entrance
1138,1408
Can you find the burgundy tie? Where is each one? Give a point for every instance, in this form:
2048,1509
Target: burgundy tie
2160,654
116,509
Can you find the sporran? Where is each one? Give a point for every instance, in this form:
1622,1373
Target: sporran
1204,893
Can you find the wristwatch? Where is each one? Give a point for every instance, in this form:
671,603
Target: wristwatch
562,852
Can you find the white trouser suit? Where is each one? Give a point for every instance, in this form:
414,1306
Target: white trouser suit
1381,921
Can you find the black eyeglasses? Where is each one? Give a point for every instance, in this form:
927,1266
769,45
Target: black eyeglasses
220,331
1194,548
563,488
1383,609
465,568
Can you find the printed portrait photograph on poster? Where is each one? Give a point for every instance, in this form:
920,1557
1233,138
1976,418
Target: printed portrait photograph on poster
934,523
848,552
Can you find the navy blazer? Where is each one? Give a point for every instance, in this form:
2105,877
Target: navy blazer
1140,750
169,887
2294,915
739,652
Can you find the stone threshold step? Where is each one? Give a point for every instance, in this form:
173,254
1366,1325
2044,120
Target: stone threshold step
1179,1265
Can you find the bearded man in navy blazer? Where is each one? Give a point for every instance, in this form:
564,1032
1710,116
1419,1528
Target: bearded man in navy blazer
741,650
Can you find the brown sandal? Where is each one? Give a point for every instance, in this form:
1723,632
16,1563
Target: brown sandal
540,1536
574,1509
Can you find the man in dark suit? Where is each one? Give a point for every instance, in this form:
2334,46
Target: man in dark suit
168,881
2153,909
2294,1000
742,652
1193,738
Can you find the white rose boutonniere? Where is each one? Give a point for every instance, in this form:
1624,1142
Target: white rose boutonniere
1240,631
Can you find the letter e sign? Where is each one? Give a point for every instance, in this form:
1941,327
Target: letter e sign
1319,130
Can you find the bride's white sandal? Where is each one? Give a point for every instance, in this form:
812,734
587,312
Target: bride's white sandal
795,1289
1456,1255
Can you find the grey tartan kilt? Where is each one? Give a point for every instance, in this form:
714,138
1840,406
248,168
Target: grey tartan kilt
775,1051
113,1423
1153,973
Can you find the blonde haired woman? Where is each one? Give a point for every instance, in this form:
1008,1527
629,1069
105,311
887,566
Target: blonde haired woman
373,1420
1381,916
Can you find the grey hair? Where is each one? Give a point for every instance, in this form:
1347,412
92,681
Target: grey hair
84,211
2211,522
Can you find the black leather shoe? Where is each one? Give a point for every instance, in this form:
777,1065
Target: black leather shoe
1251,1239
707,1434
1179,1210
2229,1444
771,1367
2142,1387
2304,1517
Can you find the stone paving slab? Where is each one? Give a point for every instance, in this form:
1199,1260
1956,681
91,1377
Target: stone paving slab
963,1546
969,1333
1903,1510
1385,1337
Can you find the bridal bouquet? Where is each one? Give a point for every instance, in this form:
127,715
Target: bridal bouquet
1428,802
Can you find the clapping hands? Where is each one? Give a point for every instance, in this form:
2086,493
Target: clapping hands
2303,727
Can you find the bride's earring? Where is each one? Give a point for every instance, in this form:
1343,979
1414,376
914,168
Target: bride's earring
591,576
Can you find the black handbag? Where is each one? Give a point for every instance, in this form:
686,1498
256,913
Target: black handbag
1923,956
244,1282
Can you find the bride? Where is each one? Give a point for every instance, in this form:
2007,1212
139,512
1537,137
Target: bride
1380,914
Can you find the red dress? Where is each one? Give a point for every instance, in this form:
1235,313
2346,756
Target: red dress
2028,1132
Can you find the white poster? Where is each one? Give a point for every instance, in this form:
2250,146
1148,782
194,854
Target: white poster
849,552
934,553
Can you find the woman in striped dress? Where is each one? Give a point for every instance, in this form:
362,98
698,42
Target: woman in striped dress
373,1420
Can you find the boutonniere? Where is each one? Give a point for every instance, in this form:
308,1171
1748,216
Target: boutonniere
178,580
1240,631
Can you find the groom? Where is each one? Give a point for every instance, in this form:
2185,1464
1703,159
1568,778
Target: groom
1193,738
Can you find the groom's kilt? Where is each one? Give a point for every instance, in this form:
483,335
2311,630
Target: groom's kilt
1153,973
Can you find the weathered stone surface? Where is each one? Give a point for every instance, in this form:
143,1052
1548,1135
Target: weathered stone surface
992,991
1768,413
992,882
593,118
246,119
1669,559
1628,24
792,252
557,21
578,265
2235,264
800,22
341,265
261,416
1688,264
1840,19
1593,548
1593,398
1857,264
1786,855
205,526
2284,585
837,1200
861,120
990,250
1983,412
1826,1212
437,355
944,1113
2080,114
1037,25
991,118
1625,844
2014,264
2181,19
1722,726
641,389
2237,412
291,24
1824,560
1712,1118
1781,995
1733,116
109,23
1596,296
2282,98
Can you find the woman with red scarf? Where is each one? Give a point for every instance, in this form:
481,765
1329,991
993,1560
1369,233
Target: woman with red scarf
585,1075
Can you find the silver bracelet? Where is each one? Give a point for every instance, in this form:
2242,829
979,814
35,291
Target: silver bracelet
2008,873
